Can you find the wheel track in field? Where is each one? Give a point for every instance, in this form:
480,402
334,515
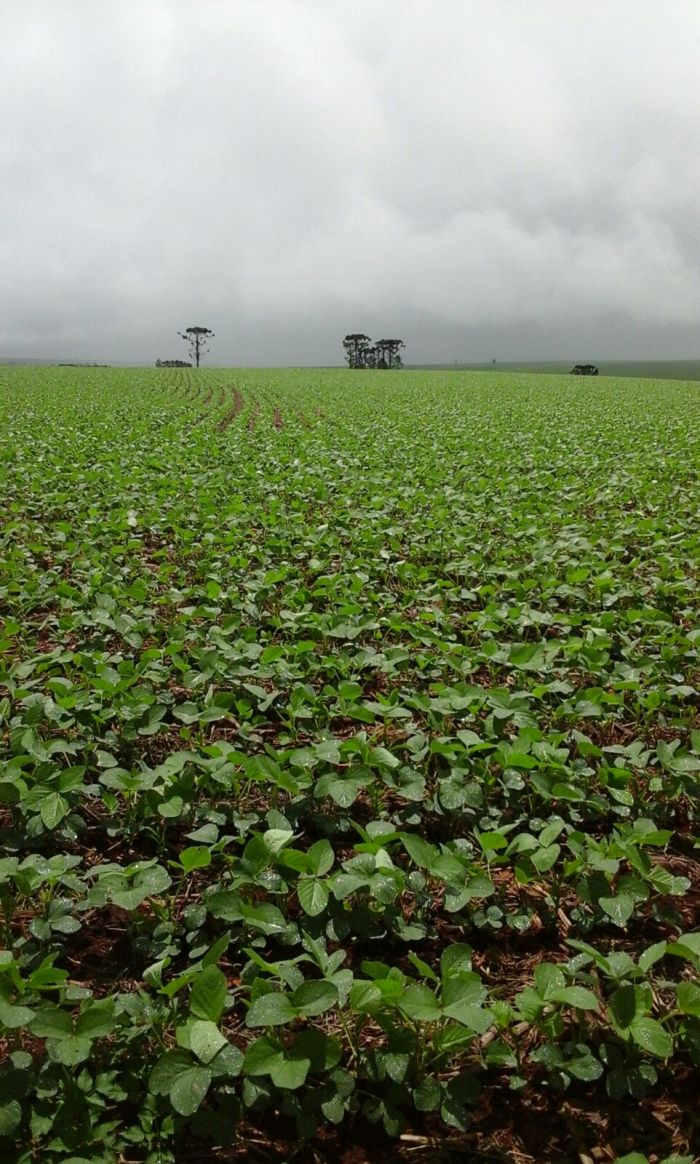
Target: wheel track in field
253,418
235,410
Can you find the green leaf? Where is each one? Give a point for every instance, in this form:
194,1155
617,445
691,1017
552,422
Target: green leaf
51,1023
549,980
686,946
47,975
169,1067
70,1051
320,857
13,1017
208,997
225,904
365,997
270,1010
290,1074
195,857
227,1063
579,997
313,896
314,998
262,1056
276,839
421,852
688,995
323,1052
189,1090
96,1020
625,1004
427,1096
652,1037
128,899
422,967
455,1113
492,842
10,793
333,1109
455,959
543,859
214,952
206,1040
652,955
153,881
384,757
619,909
345,792
10,1117
54,808
266,1057
171,808
461,1001
465,987
585,1067
396,1065
419,1003
266,918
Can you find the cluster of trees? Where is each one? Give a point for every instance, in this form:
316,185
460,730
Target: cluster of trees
173,364
361,352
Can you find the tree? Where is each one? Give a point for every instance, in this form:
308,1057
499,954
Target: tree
357,350
197,338
388,353
360,352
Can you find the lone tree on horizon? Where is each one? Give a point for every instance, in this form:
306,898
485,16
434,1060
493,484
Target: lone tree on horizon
197,338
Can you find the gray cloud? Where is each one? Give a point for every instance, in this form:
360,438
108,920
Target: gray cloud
477,176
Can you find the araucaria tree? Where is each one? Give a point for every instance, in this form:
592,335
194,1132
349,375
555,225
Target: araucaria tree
197,338
360,352
357,350
389,353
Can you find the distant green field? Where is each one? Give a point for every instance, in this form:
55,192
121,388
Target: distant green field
350,765
639,369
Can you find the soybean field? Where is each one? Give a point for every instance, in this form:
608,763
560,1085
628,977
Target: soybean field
349,767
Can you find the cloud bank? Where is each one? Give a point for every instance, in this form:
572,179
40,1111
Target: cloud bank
480,177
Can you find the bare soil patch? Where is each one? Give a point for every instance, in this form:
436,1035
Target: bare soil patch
234,411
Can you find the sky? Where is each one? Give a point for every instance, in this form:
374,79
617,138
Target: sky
509,179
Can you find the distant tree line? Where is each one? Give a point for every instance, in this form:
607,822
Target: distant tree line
173,364
361,352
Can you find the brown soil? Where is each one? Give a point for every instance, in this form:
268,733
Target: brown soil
532,1126
100,955
253,418
234,411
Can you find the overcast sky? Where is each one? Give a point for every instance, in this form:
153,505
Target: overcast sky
508,178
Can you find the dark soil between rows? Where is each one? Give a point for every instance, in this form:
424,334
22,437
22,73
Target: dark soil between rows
533,1126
